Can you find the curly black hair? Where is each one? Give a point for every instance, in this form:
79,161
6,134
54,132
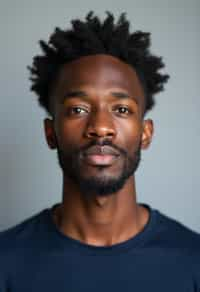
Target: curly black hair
93,36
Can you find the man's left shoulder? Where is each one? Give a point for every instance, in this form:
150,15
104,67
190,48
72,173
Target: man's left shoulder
175,234
178,241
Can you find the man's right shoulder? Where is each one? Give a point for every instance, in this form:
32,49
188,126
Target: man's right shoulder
21,234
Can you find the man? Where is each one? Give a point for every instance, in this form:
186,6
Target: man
97,81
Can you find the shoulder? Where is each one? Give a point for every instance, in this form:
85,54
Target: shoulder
173,233
21,234
177,241
20,243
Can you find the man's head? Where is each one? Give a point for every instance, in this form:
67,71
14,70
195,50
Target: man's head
91,37
97,81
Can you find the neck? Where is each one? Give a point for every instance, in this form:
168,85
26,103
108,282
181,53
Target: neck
100,220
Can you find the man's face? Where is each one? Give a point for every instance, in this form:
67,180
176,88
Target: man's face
98,125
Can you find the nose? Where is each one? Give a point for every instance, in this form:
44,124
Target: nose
100,124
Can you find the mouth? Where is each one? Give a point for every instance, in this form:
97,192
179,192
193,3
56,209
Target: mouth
100,159
100,155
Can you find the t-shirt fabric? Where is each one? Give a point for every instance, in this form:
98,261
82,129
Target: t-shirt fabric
36,256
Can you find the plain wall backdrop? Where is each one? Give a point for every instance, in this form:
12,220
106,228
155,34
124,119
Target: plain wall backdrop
168,177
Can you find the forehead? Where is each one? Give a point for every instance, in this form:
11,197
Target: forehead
101,73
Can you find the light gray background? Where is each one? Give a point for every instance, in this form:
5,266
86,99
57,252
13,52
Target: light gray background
168,178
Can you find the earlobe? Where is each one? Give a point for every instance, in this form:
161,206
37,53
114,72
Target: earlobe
50,133
147,134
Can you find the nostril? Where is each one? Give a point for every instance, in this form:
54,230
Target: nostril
100,132
110,134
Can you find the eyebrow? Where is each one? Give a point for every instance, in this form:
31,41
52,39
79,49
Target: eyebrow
80,93
75,93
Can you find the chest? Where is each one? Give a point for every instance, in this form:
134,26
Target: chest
77,273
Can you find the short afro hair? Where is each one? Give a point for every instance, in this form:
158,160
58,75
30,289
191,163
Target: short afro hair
91,37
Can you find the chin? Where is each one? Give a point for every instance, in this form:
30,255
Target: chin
102,186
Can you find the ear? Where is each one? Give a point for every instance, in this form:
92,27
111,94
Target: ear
147,134
50,133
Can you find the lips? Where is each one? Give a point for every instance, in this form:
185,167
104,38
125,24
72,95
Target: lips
100,155
101,150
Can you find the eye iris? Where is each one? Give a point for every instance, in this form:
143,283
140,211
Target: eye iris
122,110
77,110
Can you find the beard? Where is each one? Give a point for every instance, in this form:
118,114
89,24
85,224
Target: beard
100,185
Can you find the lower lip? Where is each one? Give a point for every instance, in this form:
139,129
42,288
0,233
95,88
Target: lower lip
100,159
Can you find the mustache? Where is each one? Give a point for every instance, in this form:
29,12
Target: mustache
105,142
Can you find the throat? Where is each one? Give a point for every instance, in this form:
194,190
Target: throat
101,231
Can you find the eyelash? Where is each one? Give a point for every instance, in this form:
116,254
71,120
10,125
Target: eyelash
69,111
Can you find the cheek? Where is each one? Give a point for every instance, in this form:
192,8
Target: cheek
130,133
68,134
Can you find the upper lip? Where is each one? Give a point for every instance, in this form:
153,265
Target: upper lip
101,150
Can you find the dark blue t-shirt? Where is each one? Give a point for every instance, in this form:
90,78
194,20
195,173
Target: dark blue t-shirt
36,256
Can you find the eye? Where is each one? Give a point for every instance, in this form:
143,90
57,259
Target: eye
124,110
76,110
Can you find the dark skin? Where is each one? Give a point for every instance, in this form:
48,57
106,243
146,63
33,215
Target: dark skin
98,97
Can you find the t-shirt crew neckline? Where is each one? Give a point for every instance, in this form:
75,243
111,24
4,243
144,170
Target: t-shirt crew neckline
136,241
